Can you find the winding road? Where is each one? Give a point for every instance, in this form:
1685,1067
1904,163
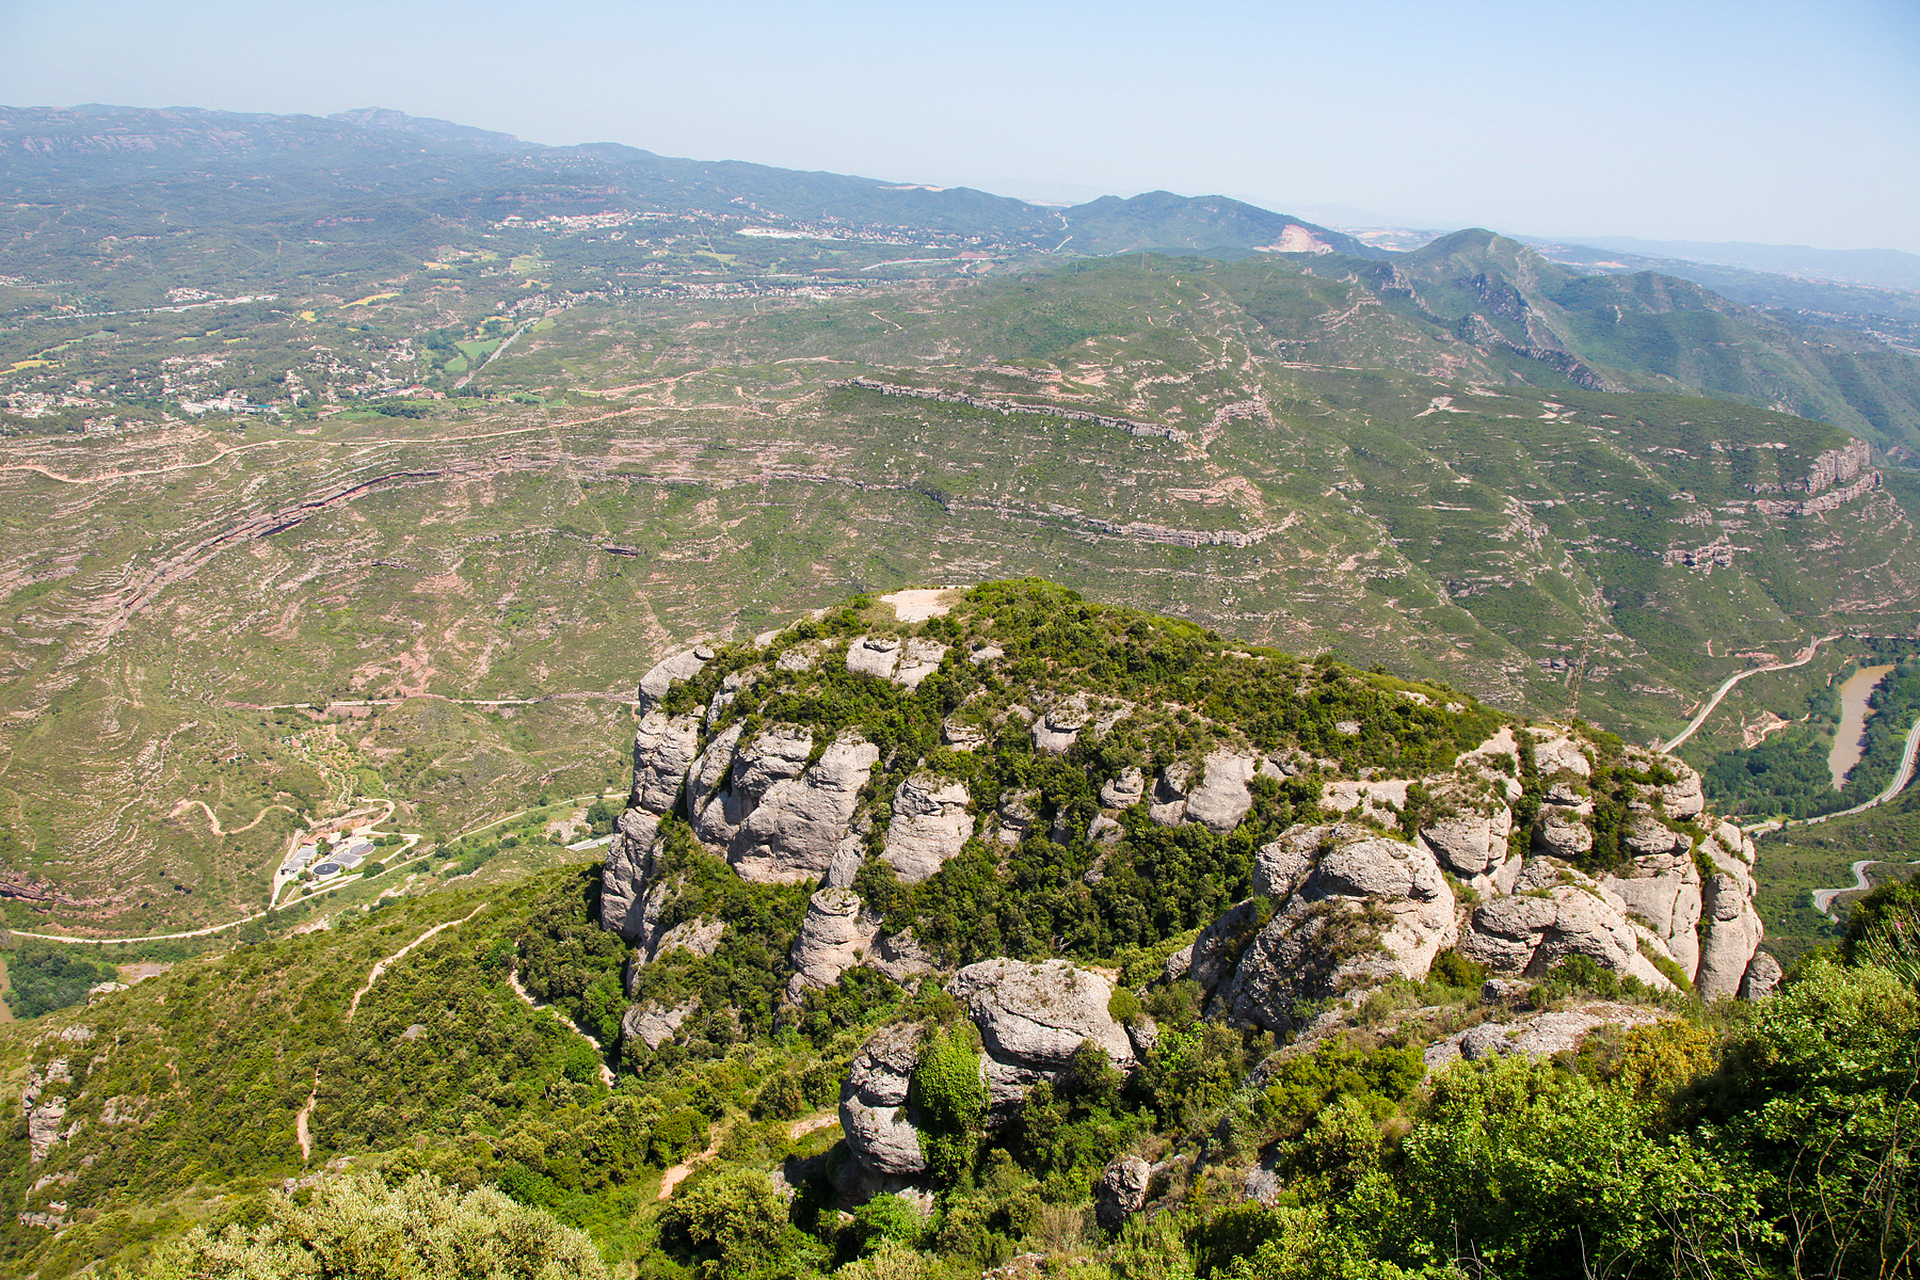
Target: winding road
1726,686
1901,778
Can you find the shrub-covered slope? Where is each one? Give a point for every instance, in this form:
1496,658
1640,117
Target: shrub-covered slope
1097,937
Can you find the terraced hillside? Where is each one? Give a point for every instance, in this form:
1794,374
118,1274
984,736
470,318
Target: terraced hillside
1275,455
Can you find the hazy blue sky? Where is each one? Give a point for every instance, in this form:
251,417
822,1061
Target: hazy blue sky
1696,119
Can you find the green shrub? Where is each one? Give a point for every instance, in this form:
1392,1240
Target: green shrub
949,1101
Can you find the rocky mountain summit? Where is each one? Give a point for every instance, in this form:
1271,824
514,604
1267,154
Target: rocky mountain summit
1024,748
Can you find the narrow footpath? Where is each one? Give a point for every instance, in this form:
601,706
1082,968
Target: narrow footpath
301,1131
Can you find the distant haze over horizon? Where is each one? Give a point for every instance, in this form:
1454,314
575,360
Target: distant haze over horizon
1766,123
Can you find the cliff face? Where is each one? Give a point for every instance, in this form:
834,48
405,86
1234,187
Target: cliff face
1519,848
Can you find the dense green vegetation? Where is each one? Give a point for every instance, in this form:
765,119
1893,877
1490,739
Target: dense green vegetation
1788,774
44,976
365,1228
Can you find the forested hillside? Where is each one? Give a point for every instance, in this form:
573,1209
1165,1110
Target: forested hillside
957,926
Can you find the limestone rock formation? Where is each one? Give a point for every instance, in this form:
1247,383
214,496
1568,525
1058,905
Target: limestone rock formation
652,1025
662,750
1123,792
1554,751
930,823
791,835
1730,930
873,1102
1381,800
1060,728
700,937
1540,1035
962,735
873,656
919,658
1555,913
1033,1017
684,665
1763,975
1017,814
1222,798
1470,838
772,757
1352,909
901,957
45,1106
835,936
1169,805
624,904
1662,890
1562,832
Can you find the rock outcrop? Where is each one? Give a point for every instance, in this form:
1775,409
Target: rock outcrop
684,665
1222,798
652,1025
873,1103
1730,930
930,823
1060,727
1352,908
1763,975
791,835
45,1104
1034,1017
835,936
1469,837
1554,913
1121,1191
1541,1035
662,751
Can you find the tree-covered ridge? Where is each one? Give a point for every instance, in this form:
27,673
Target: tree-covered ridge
1672,1137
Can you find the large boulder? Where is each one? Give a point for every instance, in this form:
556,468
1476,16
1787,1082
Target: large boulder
1730,929
684,665
1380,800
1060,727
1562,832
1354,909
662,750
1223,797
1555,752
1213,955
1168,806
1763,975
1469,835
792,834
1662,891
930,823
1125,791
1556,913
874,656
1121,1191
835,936
873,1102
1035,1016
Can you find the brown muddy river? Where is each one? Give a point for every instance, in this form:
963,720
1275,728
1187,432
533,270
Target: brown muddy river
1849,740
